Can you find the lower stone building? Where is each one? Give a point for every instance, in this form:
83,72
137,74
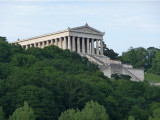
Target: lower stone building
88,42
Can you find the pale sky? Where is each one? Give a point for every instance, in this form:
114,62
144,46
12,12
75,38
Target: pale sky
125,23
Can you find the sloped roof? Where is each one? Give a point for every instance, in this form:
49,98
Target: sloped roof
87,29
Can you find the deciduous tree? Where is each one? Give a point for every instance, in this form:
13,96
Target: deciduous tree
23,113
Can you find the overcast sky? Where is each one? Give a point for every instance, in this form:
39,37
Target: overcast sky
125,23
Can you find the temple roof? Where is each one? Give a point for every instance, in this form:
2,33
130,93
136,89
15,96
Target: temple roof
82,29
87,29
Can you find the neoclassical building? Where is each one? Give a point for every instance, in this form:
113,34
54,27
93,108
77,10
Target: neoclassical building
84,39
88,42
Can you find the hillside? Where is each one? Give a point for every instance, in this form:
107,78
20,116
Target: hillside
52,80
149,77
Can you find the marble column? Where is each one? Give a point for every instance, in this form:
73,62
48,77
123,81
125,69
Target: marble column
51,42
56,43
26,47
97,47
92,46
73,44
83,46
78,44
88,50
43,44
69,43
39,45
47,43
35,44
101,46
60,40
65,43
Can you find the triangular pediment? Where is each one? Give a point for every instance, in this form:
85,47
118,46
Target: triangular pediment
87,29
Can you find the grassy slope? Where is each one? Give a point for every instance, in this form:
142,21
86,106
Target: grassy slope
152,77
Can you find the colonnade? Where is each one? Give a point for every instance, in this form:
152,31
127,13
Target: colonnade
73,43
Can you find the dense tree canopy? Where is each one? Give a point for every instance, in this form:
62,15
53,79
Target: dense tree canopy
91,111
156,64
140,57
156,115
52,80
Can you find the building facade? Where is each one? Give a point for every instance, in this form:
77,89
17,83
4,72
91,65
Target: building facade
88,42
84,39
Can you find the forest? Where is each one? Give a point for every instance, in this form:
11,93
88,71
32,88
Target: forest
56,84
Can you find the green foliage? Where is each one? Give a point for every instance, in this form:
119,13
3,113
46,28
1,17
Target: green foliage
71,114
5,69
156,115
121,76
141,57
1,114
91,111
151,54
5,51
21,60
53,80
131,118
125,77
115,76
151,77
136,57
109,52
138,113
3,38
156,64
94,111
36,52
23,113
40,99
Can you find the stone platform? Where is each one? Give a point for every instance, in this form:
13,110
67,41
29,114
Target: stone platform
109,67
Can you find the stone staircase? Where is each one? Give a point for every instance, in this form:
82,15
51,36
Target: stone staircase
96,59
105,62
133,76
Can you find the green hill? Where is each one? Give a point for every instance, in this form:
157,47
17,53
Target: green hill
152,77
52,80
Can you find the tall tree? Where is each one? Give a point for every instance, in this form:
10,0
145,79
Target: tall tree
156,63
151,51
109,52
23,113
136,57
91,111
5,51
3,39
